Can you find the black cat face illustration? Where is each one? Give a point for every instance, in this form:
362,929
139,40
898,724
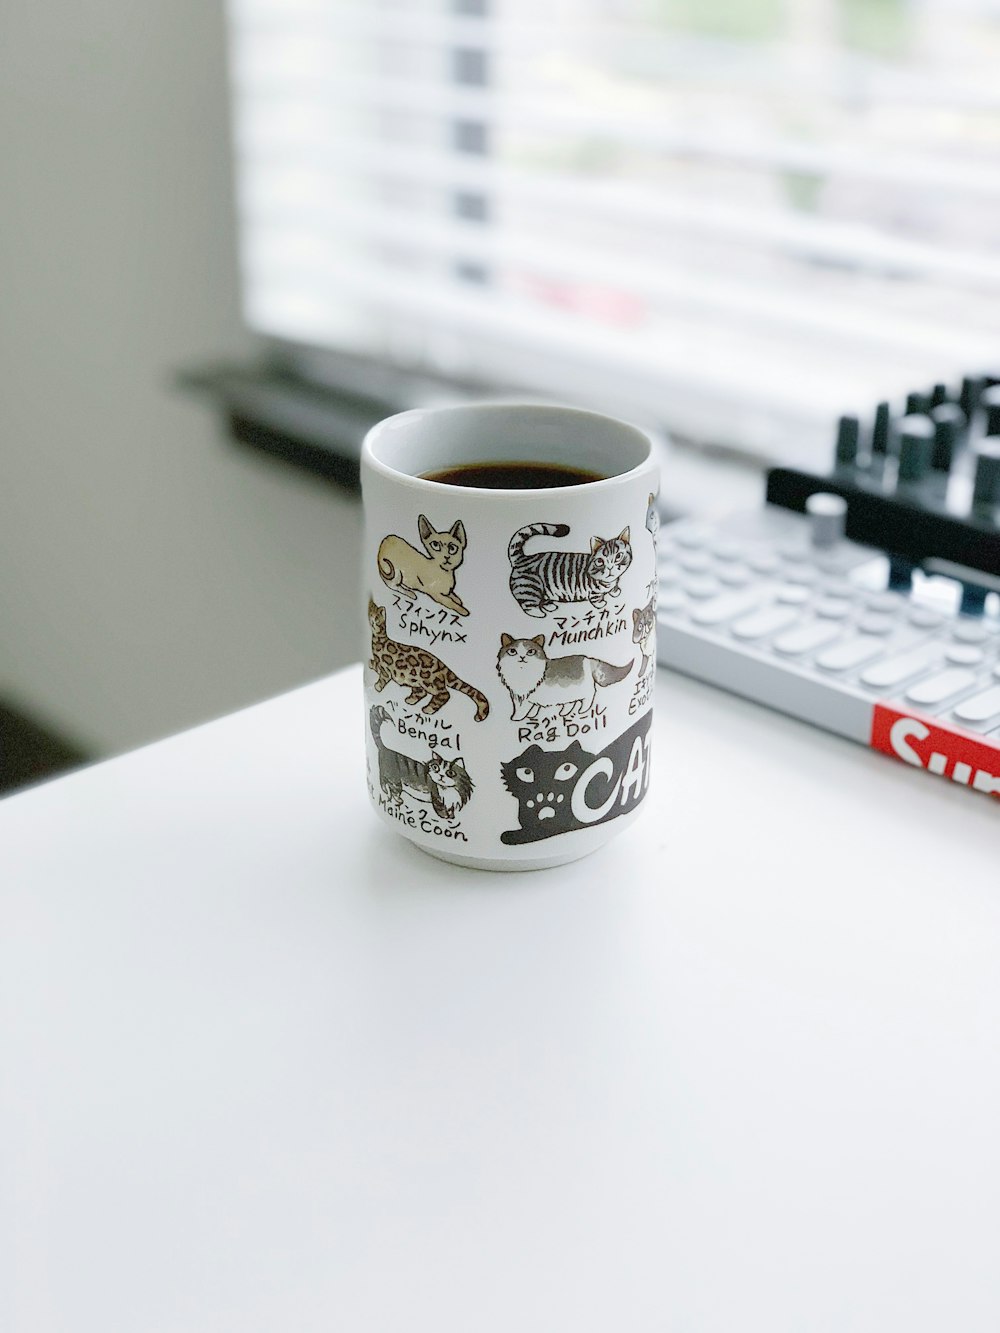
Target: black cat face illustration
542,781
561,791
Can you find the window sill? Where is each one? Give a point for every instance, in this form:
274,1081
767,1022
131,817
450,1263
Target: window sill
319,427
309,426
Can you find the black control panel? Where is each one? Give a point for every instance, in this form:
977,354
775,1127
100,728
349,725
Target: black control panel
921,481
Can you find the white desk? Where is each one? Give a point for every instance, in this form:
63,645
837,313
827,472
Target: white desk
263,1066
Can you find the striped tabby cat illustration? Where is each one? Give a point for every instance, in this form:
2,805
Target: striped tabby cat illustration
425,675
443,782
542,580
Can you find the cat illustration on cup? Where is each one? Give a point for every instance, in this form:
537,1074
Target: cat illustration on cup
425,675
542,782
409,571
542,580
560,791
653,516
644,632
537,681
443,782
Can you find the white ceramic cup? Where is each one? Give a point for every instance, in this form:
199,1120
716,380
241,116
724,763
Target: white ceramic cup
509,634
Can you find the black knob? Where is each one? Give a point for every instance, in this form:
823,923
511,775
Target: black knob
990,402
827,517
916,443
917,401
973,601
949,422
848,431
881,429
986,488
900,574
968,398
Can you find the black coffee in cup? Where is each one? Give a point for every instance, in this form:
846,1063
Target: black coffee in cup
512,476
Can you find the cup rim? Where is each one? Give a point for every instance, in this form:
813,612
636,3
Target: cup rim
370,458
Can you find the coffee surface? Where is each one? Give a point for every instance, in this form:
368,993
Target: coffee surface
512,476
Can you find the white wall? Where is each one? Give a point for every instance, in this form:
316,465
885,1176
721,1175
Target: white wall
150,576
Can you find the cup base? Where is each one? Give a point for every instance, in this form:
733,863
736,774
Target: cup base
487,863
575,847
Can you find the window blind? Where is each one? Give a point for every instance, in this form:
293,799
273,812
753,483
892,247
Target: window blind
736,217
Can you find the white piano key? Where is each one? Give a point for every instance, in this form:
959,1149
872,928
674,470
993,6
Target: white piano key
792,595
839,588
885,601
935,689
980,707
734,576
969,631
694,537
924,618
852,653
876,624
695,562
805,638
761,623
795,549
764,562
802,574
727,606
701,586
963,654
727,549
833,608
670,599
901,666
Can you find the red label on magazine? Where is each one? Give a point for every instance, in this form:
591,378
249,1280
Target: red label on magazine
970,760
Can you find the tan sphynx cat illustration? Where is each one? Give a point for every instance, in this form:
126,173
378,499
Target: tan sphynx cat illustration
408,571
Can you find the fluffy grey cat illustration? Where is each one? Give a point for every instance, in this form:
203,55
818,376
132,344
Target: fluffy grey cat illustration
644,632
443,782
536,681
542,580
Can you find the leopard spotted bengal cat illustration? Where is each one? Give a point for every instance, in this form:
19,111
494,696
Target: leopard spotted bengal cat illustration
425,675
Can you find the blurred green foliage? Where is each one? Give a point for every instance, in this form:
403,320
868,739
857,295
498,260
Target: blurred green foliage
877,27
802,189
737,20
